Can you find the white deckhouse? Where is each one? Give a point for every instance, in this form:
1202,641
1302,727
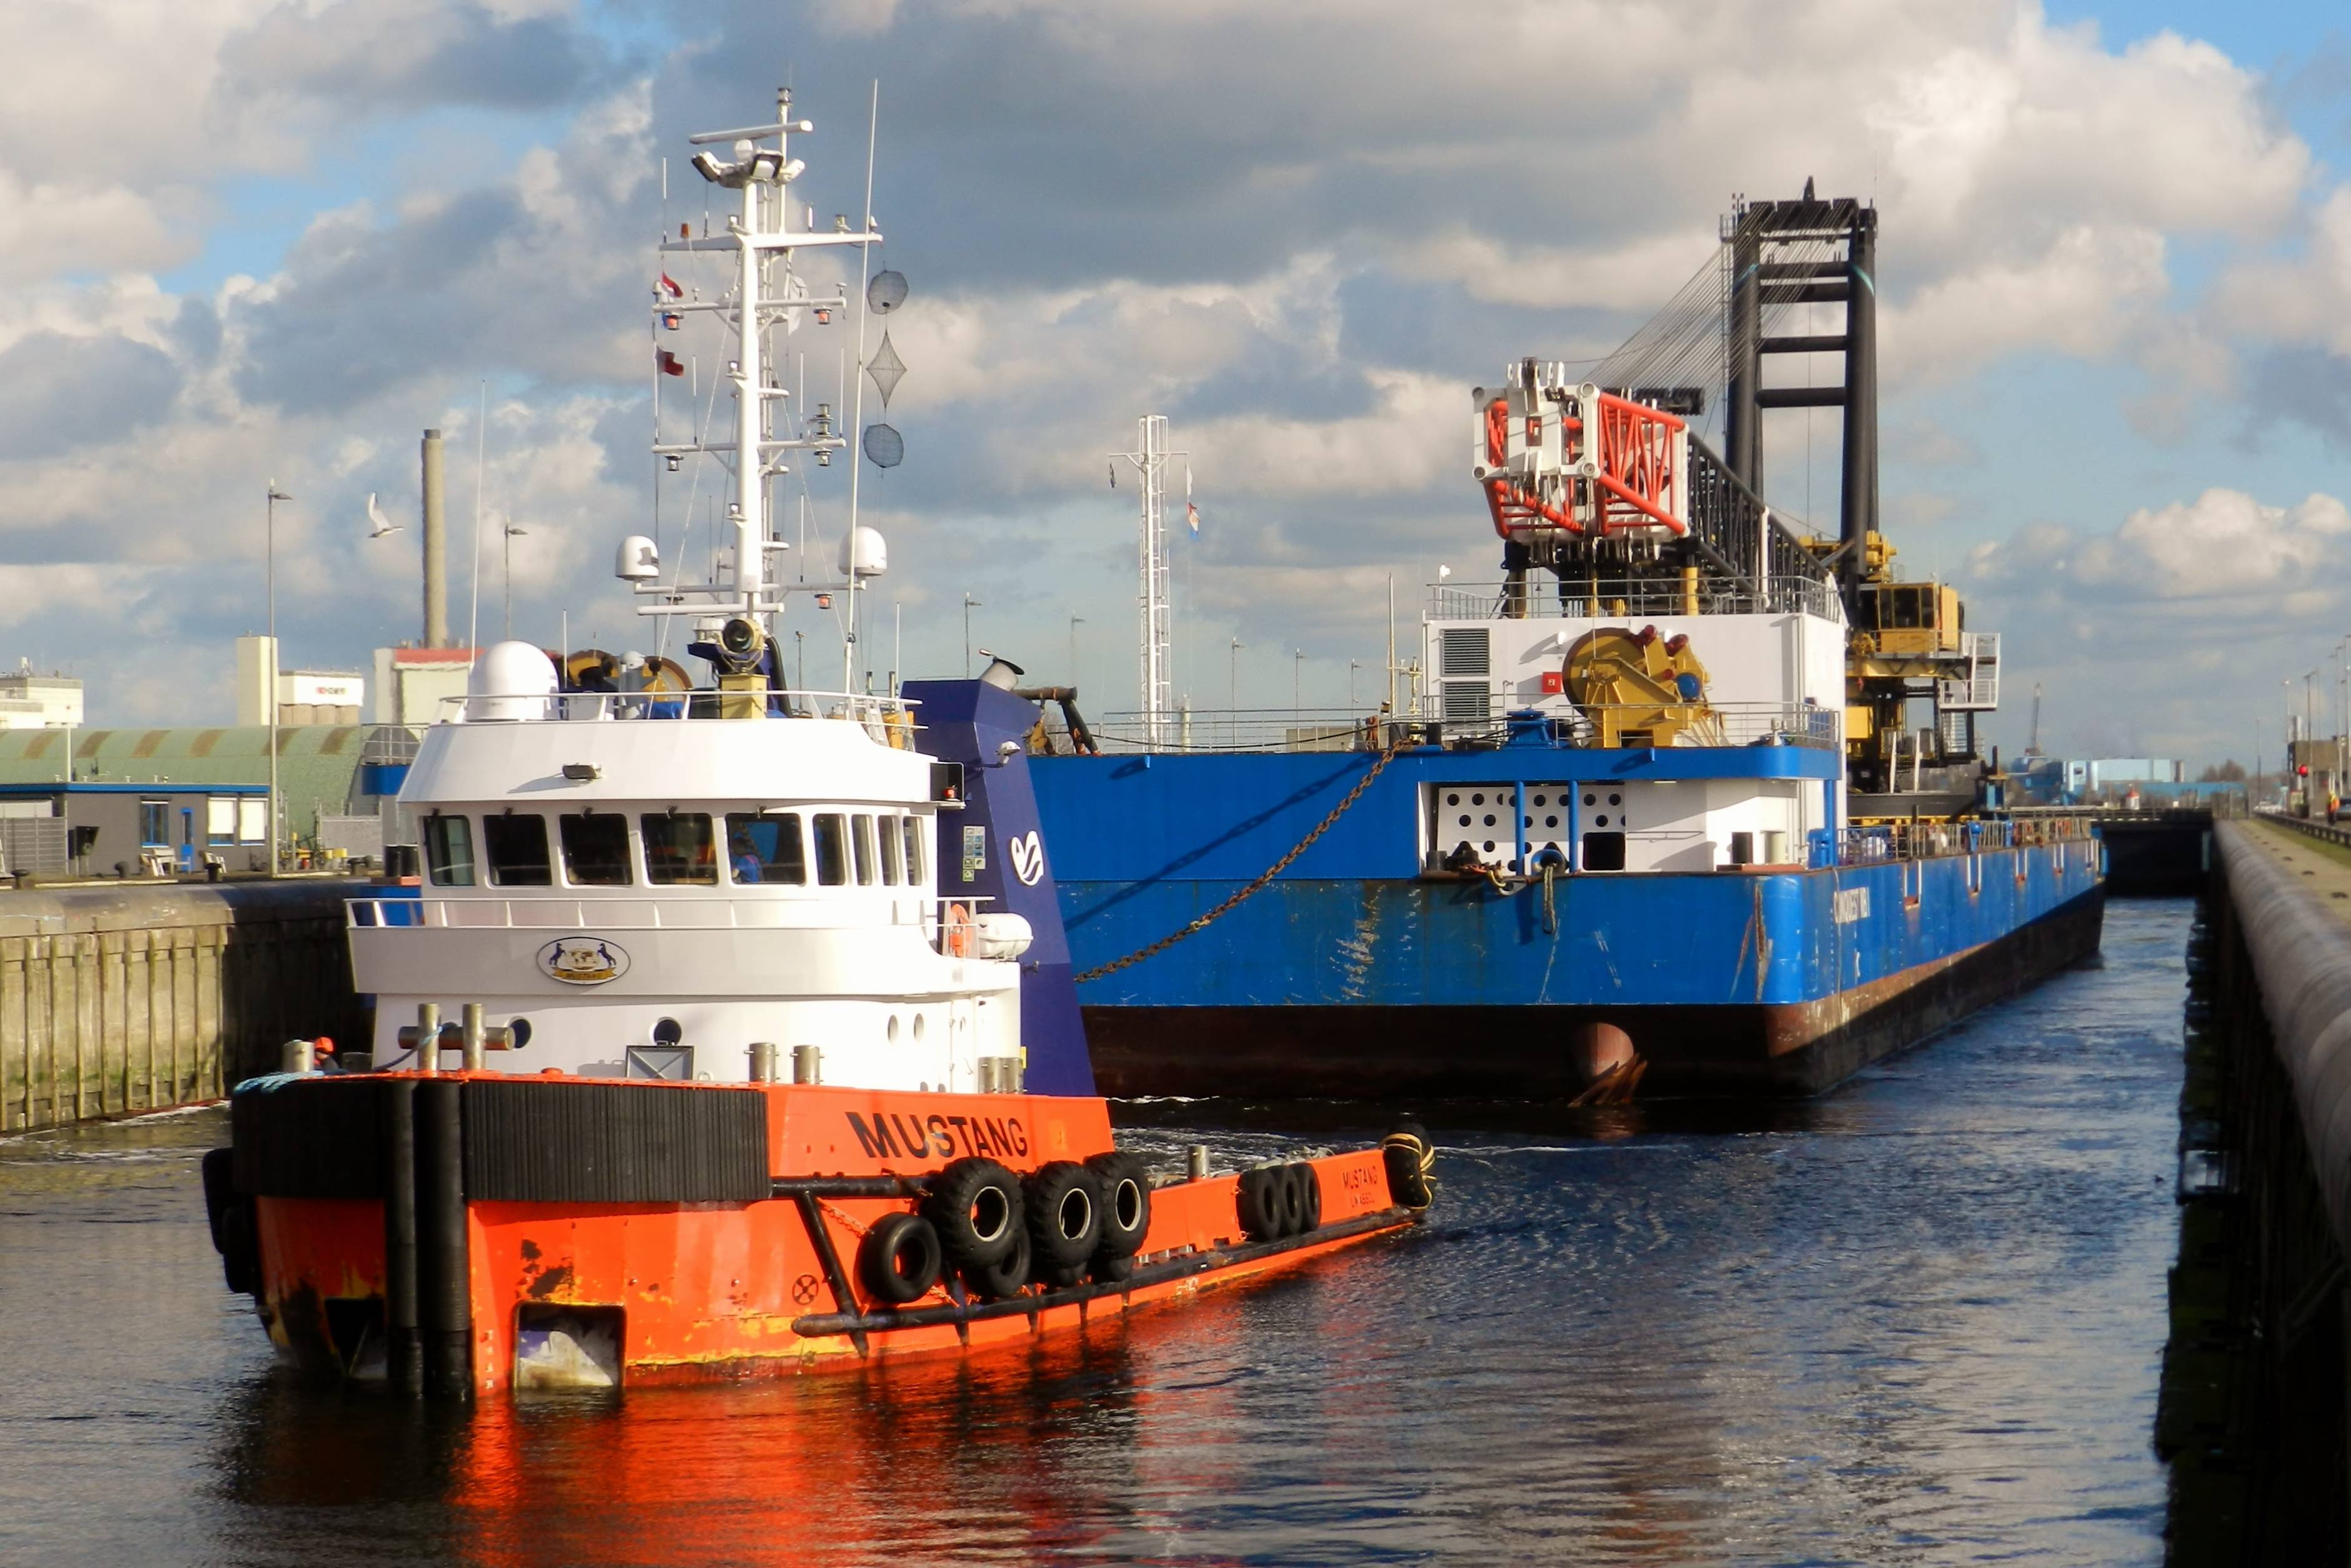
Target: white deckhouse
698,884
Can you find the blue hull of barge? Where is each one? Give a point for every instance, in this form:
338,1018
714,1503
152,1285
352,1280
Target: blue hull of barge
1352,975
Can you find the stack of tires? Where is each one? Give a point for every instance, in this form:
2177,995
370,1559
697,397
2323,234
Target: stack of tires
1279,1201
1001,1233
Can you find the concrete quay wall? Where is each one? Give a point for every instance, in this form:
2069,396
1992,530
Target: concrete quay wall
143,996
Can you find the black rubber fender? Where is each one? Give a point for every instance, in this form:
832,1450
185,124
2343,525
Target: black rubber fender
975,1207
900,1258
1065,1207
1112,1271
1310,1197
1262,1202
236,1230
1293,1198
1125,1185
1410,1155
1006,1277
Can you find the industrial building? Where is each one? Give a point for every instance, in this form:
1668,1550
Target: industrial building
116,773
304,697
29,701
134,830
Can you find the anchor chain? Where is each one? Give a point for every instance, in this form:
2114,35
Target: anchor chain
1275,870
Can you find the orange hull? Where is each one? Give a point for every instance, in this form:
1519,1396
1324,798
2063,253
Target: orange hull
702,1290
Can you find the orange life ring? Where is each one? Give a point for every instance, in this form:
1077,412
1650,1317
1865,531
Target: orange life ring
958,931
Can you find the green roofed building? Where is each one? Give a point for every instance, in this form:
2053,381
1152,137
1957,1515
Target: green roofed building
317,765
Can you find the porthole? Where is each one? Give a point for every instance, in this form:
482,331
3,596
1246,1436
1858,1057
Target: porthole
668,1031
891,1031
1541,800
520,1031
1453,800
1551,821
1601,820
1588,799
1489,846
1615,799
1477,799
1530,822
918,1028
1489,818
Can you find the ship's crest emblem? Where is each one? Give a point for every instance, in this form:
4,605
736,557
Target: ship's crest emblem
1027,853
583,960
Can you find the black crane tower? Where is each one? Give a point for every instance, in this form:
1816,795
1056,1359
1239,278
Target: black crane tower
1837,240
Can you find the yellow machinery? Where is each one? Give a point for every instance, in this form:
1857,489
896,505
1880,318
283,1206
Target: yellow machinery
1639,688
1907,641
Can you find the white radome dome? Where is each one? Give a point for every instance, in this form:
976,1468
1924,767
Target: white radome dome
510,681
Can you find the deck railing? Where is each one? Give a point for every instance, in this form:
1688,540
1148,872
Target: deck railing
1545,597
480,707
1927,840
1476,717
937,916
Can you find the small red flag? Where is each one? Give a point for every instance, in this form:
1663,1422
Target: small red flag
677,290
671,365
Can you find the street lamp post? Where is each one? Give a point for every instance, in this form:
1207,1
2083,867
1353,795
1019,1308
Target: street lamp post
1352,665
270,577
1297,679
1233,678
968,602
1075,622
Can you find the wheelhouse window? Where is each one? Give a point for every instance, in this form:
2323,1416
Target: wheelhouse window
863,840
832,848
765,849
515,847
911,831
887,827
595,849
449,851
678,851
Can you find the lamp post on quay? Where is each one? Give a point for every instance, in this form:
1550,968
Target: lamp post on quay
270,577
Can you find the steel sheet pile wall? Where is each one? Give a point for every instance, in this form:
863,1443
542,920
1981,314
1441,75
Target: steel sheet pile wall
2251,1414
140,998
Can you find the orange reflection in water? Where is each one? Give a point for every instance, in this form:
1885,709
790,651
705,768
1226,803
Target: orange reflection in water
1006,1455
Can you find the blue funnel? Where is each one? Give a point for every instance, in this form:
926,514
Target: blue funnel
993,850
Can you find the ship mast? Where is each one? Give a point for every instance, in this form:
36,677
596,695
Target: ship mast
762,172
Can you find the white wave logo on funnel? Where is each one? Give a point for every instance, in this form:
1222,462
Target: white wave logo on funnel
583,960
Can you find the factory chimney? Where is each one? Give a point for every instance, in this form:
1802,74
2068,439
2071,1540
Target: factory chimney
436,588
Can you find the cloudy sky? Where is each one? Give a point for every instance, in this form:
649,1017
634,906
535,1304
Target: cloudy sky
246,239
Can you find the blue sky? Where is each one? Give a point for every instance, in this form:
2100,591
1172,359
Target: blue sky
2114,270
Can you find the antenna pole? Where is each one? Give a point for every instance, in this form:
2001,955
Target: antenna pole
481,453
864,279
751,404
1150,460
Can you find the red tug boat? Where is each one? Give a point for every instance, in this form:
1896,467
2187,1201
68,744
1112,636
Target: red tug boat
609,1171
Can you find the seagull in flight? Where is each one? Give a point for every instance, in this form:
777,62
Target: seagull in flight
383,525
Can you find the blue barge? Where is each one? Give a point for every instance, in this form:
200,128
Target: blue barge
1660,810
1356,973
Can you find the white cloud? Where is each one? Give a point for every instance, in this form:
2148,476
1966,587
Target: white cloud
2223,551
